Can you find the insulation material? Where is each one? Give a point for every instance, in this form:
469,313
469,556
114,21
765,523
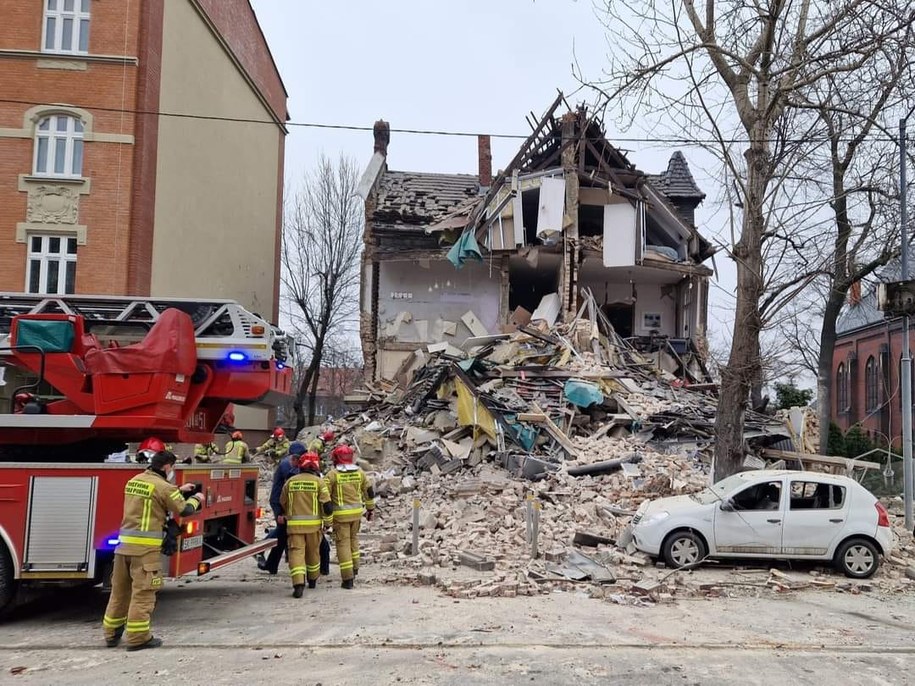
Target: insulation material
551,210
471,412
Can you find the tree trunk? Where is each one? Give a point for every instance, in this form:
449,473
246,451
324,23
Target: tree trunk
743,365
824,364
313,395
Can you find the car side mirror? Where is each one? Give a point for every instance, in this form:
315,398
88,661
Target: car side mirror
727,506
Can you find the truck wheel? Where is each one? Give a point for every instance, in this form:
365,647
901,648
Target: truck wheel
9,587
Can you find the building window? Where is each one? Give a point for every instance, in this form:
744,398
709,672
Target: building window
59,146
52,265
870,385
841,389
66,26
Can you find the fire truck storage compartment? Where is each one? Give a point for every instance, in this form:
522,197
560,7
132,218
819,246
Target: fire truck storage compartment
60,522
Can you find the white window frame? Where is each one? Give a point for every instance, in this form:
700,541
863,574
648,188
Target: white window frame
73,149
45,259
54,17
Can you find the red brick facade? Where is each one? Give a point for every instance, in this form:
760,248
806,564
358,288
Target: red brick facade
865,376
120,75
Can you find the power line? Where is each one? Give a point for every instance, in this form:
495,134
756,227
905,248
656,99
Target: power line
674,140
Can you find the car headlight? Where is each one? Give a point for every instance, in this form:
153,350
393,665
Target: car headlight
652,519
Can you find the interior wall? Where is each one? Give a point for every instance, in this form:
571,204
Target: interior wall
649,301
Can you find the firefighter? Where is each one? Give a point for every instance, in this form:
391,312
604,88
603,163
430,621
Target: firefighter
306,504
276,447
286,469
205,452
237,450
320,444
137,574
351,491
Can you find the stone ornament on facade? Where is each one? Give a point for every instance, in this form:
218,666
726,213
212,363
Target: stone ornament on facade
53,205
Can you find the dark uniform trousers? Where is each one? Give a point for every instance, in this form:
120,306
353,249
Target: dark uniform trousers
134,583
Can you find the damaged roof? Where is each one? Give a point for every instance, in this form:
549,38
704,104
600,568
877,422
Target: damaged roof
677,181
415,200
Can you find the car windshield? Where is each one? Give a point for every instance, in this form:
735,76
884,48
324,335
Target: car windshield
719,490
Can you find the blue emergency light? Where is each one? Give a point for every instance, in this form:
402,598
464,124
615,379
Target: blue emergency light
236,356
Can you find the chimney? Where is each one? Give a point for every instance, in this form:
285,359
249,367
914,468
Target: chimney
382,131
854,294
484,151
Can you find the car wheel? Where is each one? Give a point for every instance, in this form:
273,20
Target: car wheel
857,558
683,548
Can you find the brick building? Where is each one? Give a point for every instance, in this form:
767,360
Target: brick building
141,150
102,190
866,365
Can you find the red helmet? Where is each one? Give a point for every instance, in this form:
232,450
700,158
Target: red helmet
309,460
151,446
327,436
237,435
278,432
342,454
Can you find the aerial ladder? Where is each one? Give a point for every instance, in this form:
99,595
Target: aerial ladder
83,376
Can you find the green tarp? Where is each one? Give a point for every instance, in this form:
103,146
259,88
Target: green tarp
465,249
50,336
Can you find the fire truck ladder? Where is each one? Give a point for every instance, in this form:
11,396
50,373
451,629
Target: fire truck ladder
223,329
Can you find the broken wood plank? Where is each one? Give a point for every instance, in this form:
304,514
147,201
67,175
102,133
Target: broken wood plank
477,562
848,463
556,433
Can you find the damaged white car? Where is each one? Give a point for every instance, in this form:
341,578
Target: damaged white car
774,514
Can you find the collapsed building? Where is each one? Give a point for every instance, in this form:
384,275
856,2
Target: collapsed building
569,215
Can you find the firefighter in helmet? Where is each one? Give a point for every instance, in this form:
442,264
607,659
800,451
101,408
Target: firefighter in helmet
352,493
137,574
237,450
306,504
320,445
276,447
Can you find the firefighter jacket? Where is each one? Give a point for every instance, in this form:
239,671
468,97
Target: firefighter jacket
236,453
274,447
148,498
283,472
204,452
350,489
316,446
306,502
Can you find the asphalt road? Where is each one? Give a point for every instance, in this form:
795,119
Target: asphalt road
242,627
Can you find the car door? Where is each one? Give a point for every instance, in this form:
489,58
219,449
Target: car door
754,527
816,516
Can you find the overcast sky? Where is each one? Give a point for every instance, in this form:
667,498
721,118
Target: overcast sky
466,65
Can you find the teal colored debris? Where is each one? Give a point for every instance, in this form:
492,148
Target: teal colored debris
465,249
582,393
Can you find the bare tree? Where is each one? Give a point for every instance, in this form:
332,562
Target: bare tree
322,240
728,72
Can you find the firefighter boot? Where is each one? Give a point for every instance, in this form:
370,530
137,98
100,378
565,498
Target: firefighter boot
297,590
151,643
347,583
116,639
312,583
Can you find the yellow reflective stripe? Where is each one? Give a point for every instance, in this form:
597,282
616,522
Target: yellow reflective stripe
147,513
346,565
345,513
136,540
176,495
114,622
355,554
293,571
313,568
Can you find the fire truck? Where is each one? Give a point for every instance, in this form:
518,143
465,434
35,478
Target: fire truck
83,376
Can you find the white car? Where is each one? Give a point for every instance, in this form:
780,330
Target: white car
769,514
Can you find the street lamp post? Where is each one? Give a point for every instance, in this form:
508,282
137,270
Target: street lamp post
906,371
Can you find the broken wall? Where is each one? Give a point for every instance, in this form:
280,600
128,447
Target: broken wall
654,310
428,301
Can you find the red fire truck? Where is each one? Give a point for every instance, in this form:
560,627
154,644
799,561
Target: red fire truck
83,376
